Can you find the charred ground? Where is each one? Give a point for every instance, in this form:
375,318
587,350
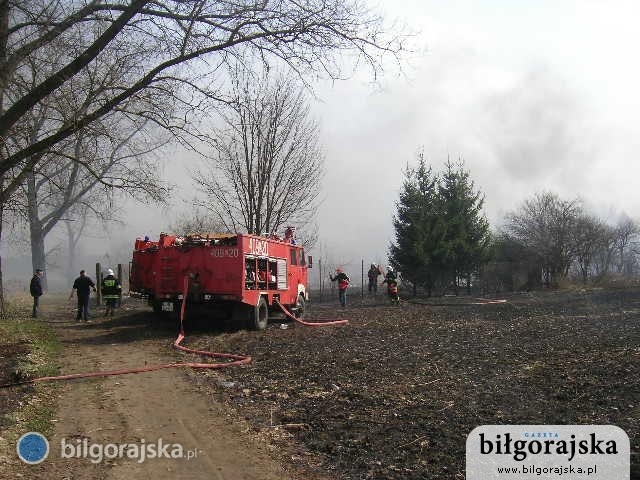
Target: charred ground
395,392
9,372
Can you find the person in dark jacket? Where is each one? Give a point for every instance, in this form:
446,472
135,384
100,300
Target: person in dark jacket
36,291
83,286
373,274
343,283
110,289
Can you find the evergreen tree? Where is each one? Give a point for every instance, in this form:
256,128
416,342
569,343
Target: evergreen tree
467,238
441,232
419,228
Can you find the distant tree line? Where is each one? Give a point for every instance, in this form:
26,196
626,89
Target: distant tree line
443,239
554,239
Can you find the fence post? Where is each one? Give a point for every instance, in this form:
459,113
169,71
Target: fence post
320,278
98,284
362,276
120,283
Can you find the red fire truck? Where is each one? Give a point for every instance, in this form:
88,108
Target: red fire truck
237,277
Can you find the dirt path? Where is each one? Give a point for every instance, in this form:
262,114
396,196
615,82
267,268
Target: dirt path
150,406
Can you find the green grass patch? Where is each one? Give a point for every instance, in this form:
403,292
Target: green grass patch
37,408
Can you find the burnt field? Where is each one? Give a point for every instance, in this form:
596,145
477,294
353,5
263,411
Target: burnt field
393,394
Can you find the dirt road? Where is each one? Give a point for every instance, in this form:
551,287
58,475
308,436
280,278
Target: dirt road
142,409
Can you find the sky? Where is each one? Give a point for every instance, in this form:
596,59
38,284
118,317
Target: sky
531,95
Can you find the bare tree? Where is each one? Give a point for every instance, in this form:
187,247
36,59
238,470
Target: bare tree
545,225
178,46
624,233
177,49
112,152
590,236
268,165
196,221
604,255
75,228
81,173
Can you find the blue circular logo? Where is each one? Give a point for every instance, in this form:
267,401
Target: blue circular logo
32,448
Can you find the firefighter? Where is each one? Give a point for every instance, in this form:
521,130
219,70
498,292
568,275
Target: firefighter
343,283
373,274
391,275
110,289
290,235
35,288
391,279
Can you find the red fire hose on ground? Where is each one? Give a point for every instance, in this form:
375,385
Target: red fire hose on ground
235,359
310,324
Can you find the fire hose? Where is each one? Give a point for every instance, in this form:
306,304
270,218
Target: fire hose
235,359
309,324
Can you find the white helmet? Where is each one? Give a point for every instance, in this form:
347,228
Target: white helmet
109,271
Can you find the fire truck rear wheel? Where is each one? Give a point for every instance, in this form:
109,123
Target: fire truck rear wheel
260,317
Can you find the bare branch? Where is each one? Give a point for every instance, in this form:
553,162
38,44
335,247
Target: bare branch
268,161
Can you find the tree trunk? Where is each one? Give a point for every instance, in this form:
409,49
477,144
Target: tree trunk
621,264
38,255
2,309
4,26
607,264
71,251
36,233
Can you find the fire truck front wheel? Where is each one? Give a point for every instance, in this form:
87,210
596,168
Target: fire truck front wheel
260,316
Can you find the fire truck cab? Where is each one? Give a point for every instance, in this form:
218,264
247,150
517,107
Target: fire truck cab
238,277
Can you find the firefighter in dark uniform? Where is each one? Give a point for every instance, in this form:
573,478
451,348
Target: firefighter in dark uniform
110,289
391,279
